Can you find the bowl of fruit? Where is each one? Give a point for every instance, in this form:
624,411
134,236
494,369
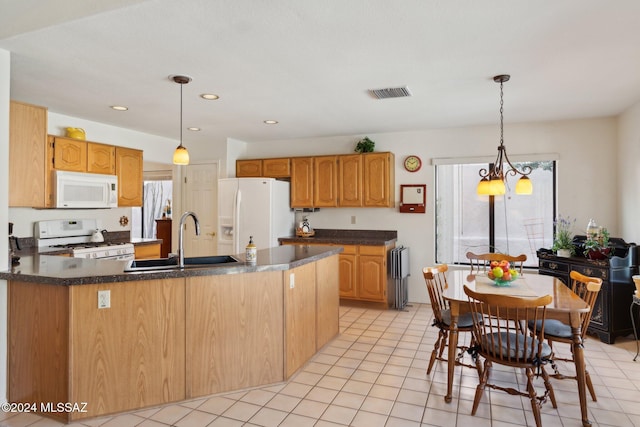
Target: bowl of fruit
501,273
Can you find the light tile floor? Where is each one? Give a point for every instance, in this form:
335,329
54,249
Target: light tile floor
373,374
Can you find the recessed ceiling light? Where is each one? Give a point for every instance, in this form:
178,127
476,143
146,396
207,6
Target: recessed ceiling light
194,129
271,122
209,96
119,108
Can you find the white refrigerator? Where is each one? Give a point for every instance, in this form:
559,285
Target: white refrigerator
257,207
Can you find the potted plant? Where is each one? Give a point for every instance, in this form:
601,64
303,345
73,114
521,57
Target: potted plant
563,239
365,145
597,246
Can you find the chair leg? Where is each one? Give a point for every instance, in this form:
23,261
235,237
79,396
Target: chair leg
590,386
533,396
481,385
549,387
436,348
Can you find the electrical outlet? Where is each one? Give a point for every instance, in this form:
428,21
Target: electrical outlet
104,299
353,219
292,281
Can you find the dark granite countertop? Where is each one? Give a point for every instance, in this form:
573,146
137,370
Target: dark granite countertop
346,237
61,270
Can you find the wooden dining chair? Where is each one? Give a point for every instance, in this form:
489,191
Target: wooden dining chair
480,262
436,281
555,331
500,331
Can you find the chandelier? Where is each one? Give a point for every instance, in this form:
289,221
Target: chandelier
492,180
181,155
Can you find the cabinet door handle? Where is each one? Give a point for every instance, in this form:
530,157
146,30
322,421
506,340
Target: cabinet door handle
212,234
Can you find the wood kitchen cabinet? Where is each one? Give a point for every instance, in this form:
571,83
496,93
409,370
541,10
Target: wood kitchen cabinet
249,168
101,158
325,181
372,273
362,270
276,168
350,176
268,168
28,178
348,267
68,154
378,180
302,182
129,171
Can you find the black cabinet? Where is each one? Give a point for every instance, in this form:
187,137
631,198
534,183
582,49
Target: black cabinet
610,317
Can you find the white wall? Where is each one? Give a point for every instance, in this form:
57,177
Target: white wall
586,165
5,77
628,170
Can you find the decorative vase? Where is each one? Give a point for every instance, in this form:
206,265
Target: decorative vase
565,253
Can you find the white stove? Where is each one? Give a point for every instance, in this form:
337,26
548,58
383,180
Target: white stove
123,251
76,235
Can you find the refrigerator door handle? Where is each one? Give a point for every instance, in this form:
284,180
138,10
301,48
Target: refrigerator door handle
236,222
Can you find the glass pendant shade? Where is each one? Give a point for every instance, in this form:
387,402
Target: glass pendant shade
496,187
524,186
181,156
483,187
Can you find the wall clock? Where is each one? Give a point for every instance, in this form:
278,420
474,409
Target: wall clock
412,163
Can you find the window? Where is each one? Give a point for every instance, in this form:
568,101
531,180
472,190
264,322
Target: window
514,224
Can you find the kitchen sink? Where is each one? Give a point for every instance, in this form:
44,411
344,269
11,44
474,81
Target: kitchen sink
172,263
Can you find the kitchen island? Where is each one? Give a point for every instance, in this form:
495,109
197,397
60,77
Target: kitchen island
164,336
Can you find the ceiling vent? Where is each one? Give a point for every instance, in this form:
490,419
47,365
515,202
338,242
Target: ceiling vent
390,92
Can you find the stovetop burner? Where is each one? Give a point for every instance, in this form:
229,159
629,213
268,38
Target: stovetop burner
86,245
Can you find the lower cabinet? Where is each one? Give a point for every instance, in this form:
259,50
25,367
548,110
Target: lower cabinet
363,271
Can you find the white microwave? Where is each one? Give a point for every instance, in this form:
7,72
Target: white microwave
76,190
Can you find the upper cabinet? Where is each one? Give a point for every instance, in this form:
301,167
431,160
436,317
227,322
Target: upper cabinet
302,182
351,180
269,168
68,154
325,181
28,180
101,158
276,168
378,178
248,168
129,171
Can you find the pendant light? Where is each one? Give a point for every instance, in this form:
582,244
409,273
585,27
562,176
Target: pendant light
492,181
181,155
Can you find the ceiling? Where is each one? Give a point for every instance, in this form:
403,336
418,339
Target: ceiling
309,64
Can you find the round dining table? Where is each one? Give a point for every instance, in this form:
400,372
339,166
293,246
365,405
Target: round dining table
566,306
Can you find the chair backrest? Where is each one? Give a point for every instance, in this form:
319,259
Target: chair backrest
436,280
498,326
480,262
586,288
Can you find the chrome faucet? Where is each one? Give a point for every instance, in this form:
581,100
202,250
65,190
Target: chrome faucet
181,233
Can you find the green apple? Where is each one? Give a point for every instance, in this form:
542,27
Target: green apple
497,272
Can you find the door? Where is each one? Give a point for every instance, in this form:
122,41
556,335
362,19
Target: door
325,181
200,189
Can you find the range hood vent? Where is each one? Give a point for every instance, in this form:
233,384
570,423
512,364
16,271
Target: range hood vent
390,92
